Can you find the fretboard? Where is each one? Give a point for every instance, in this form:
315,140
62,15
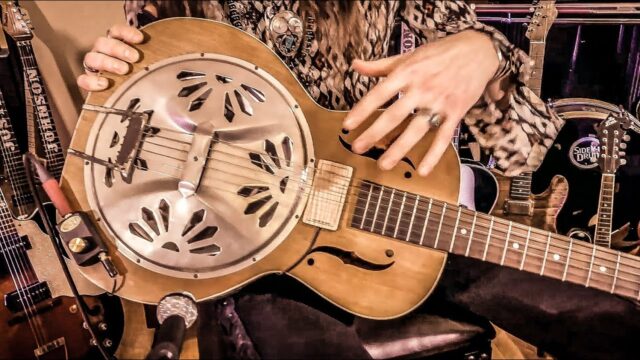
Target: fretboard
438,225
605,210
12,159
536,53
46,125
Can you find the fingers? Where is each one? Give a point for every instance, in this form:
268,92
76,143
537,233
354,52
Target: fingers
126,33
378,68
102,62
376,98
415,131
92,82
116,48
438,147
384,124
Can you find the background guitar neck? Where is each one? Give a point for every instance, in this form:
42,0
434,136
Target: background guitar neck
46,125
536,53
12,158
605,210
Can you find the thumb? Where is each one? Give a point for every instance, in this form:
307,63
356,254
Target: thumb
380,67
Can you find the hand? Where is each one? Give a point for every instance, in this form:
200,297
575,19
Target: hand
112,54
446,77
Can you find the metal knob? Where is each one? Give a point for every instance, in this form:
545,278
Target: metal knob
78,245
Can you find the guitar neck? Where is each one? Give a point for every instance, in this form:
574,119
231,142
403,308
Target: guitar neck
46,124
31,118
434,224
12,158
536,52
605,210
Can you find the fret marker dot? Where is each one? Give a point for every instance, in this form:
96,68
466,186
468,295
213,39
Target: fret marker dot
463,231
516,246
603,269
556,257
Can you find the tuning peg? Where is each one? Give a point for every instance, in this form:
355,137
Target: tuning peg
626,137
623,161
622,153
623,146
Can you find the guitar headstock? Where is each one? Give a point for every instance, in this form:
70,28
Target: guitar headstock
544,14
612,133
16,21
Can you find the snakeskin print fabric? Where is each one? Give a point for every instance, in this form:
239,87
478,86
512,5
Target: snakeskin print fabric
518,136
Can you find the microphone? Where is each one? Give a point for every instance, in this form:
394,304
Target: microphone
176,313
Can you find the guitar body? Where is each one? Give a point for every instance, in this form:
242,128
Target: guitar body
58,321
544,206
390,277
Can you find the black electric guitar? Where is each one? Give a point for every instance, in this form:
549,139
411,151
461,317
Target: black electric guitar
516,201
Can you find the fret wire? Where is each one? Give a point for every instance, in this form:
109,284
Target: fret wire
426,221
593,255
564,276
615,275
473,226
506,244
386,218
413,215
364,214
375,216
486,248
444,209
526,246
455,229
397,227
546,253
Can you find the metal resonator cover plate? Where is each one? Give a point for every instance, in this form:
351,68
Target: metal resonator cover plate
239,203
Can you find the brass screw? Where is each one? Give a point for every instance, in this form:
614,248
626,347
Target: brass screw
77,245
73,309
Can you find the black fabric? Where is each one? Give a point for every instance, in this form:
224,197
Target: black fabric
566,320
285,319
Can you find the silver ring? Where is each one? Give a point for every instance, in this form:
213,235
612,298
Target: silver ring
88,68
432,119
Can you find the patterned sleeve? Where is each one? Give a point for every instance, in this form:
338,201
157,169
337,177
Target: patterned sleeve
518,135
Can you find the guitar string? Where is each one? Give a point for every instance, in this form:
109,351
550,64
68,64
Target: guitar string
348,194
29,62
17,272
9,160
513,233
269,183
446,230
25,54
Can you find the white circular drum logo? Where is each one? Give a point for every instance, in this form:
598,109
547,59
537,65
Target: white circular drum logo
584,152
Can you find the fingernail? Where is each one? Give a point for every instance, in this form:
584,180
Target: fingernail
103,83
139,37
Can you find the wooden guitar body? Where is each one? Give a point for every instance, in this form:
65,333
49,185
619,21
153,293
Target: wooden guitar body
544,207
389,276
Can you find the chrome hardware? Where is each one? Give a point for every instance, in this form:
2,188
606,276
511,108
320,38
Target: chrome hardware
205,217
